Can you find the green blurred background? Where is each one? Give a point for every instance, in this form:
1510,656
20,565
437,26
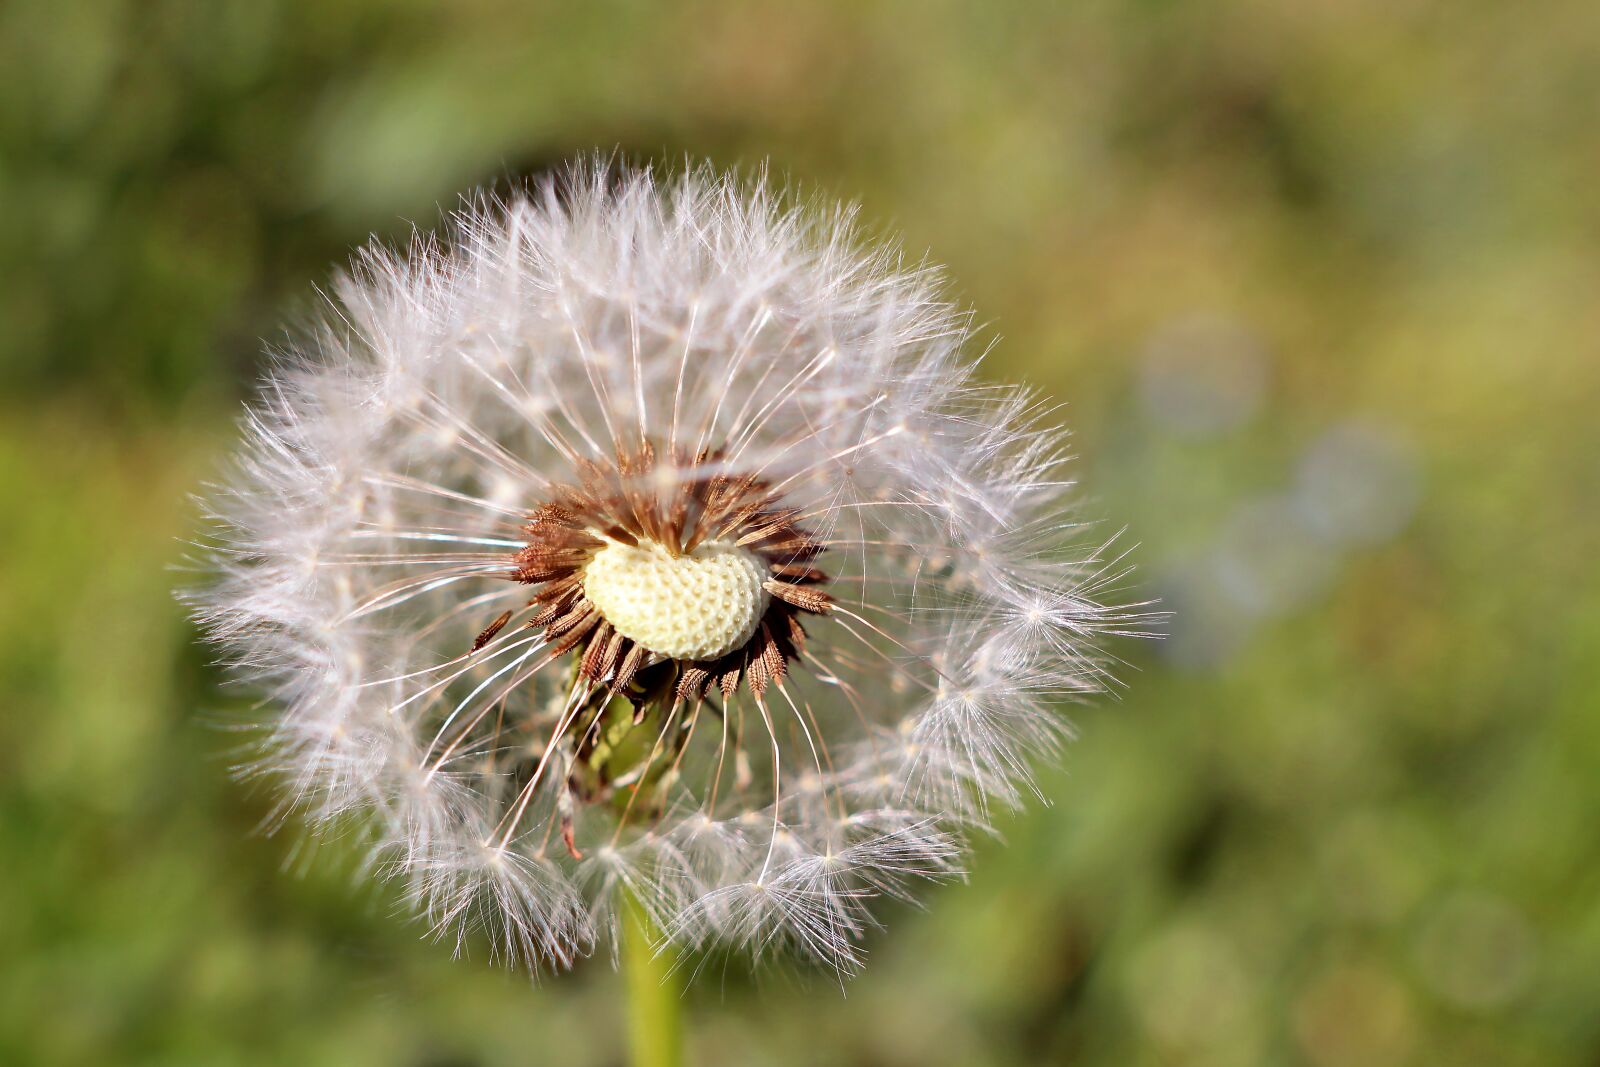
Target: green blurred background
1318,280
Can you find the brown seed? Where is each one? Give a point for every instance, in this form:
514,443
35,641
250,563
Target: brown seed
692,684
803,597
489,631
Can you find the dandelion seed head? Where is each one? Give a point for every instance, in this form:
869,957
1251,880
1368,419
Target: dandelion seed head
653,537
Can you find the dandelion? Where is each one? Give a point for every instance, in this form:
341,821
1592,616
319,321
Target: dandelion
652,543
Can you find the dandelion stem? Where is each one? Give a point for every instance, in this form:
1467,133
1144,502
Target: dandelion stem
655,1020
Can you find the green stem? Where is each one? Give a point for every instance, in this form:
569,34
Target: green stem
655,1020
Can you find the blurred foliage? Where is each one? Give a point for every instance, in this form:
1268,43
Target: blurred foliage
1319,281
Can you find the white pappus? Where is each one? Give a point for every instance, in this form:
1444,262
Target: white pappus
652,537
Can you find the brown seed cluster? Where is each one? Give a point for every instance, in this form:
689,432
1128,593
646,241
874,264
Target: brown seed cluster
678,505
